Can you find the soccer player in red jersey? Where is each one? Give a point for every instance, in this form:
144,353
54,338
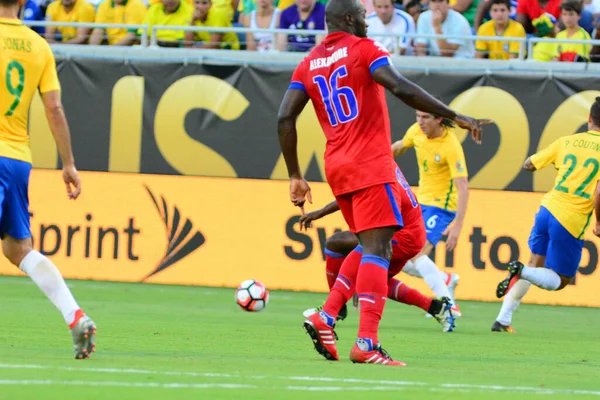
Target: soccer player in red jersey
345,77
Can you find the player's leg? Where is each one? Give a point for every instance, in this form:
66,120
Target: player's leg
407,243
562,259
337,247
344,287
378,216
440,309
513,286
319,326
436,221
372,291
17,247
517,290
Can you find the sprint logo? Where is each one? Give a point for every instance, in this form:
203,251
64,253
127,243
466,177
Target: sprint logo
182,238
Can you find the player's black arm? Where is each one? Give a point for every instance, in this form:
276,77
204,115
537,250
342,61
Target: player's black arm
330,208
307,219
411,94
529,165
292,105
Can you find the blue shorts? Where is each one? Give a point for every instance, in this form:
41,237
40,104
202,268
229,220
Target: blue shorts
14,199
550,239
436,221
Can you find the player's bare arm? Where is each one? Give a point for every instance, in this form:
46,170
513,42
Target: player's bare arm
597,210
62,136
82,37
292,105
417,98
528,165
453,231
398,148
50,34
97,37
306,220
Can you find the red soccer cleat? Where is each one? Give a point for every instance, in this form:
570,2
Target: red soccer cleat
375,356
323,336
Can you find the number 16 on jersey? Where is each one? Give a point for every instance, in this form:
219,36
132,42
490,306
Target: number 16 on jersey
340,102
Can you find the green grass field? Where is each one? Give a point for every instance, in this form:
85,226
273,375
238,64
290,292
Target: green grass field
170,342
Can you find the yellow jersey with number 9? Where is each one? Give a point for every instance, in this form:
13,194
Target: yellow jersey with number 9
26,65
577,159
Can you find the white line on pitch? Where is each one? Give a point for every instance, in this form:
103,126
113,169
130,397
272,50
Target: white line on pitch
381,383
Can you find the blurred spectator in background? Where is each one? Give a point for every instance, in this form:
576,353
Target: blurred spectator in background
414,8
593,6
483,12
544,27
468,8
69,11
131,12
32,11
228,6
499,25
266,16
305,15
169,12
387,19
528,10
205,14
571,14
245,7
440,19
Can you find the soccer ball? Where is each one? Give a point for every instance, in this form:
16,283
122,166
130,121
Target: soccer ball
252,295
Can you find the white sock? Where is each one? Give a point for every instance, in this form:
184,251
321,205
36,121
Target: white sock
444,275
542,277
47,277
431,274
512,301
411,269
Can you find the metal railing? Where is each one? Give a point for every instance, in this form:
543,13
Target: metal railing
149,35
144,28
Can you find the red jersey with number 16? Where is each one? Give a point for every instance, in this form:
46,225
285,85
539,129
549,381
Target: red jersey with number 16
351,108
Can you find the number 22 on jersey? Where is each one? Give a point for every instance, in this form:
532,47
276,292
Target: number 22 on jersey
340,101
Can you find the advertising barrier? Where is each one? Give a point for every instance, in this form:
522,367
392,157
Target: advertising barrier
219,232
197,119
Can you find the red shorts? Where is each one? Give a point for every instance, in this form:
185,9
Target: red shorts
406,244
372,207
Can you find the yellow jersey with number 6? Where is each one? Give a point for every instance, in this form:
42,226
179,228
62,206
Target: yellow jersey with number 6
577,159
26,65
441,160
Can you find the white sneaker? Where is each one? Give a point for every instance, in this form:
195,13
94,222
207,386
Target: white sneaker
84,338
311,311
454,278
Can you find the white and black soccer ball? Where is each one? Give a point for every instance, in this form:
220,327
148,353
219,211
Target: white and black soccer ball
252,295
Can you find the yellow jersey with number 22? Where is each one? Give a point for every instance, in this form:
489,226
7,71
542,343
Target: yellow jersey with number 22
577,159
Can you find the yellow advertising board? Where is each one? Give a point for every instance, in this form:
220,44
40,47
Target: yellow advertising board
221,231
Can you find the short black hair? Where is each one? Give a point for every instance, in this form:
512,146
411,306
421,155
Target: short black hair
572,5
505,2
8,3
413,3
595,112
